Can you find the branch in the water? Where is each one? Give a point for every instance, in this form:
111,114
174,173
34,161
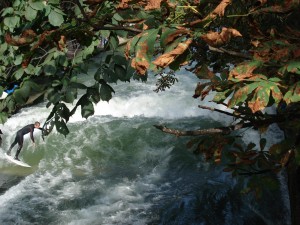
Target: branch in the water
210,131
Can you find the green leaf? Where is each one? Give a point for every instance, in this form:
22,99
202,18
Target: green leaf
113,41
260,99
11,21
53,2
94,93
3,117
293,94
18,60
53,96
7,11
221,96
250,146
55,18
30,13
276,94
133,44
87,109
3,48
242,94
262,143
30,69
77,85
50,69
37,5
19,73
19,97
63,111
70,95
167,32
61,127
120,72
106,92
294,67
32,85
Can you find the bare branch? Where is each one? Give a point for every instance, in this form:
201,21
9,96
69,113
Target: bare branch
210,131
229,52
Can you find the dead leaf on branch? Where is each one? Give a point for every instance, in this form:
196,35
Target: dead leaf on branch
27,37
244,70
153,4
148,5
140,62
260,99
179,32
217,39
220,9
167,58
140,66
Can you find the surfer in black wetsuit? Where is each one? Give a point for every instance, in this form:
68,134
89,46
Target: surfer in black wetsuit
20,137
0,137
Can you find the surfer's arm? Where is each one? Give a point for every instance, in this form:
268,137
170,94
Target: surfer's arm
31,135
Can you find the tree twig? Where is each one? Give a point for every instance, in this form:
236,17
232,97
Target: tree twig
229,52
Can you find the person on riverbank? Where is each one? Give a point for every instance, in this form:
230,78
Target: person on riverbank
0,138
20,137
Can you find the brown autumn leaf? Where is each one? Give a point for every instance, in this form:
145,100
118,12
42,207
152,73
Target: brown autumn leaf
220,9
255,43
140,62
123,4
167,58
42,39
218,39
153,4
243,71
62,43
179,32
27,37
128,47
140,66
26,62
296,53
148,5
260,99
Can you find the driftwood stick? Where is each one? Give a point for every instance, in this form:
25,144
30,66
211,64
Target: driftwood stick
210,131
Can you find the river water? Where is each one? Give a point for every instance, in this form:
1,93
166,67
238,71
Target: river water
116,168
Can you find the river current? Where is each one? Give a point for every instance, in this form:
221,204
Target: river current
117,168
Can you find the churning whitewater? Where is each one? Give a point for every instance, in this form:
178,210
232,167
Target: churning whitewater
116,168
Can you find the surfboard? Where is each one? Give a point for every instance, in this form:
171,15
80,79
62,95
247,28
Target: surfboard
20,163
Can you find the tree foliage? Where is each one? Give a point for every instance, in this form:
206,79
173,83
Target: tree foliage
247,52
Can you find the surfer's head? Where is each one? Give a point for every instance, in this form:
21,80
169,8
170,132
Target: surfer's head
37,124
